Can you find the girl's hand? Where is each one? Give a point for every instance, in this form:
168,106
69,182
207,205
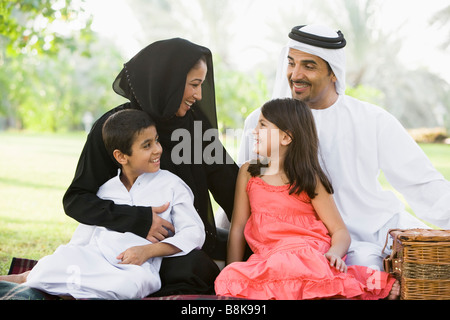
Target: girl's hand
336,261
134,255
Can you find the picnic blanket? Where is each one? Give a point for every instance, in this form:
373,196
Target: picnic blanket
13,291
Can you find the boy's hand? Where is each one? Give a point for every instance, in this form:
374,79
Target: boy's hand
159,229
134,255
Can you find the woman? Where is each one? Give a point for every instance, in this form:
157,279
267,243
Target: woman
159,81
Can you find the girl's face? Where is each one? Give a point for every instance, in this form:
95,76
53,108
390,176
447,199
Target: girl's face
193,88
268,138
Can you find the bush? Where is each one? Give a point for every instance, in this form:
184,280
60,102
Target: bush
429,135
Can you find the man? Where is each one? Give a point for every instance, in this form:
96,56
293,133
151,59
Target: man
357,140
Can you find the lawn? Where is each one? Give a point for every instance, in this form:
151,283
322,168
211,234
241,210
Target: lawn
36,169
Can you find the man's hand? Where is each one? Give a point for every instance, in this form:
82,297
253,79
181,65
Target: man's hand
160,227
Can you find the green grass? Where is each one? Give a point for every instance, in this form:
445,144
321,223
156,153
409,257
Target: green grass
439,155
36,169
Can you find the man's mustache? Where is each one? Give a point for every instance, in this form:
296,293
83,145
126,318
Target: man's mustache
301,82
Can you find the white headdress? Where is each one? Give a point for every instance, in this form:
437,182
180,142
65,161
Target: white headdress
320,41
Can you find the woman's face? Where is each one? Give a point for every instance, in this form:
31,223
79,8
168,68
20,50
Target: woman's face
193,88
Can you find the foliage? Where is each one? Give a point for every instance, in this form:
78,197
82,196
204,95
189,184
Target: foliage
376,46
237,95
48,94
429,135
54,69
415,95
366,93
441,19
42,27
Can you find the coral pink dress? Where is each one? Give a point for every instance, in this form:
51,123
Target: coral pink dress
289,241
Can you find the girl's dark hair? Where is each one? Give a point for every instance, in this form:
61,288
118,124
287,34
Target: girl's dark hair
120,129
301,163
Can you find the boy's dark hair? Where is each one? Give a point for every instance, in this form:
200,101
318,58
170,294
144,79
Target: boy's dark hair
121,128
301,163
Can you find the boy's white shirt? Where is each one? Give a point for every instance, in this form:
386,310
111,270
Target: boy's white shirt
149,189
87,266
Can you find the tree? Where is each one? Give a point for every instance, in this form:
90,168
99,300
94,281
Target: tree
441,20
53,68
41,27
415,95
52,93
208,23
237,95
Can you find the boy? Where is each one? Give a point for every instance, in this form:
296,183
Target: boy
105,264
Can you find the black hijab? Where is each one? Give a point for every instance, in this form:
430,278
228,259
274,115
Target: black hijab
154,81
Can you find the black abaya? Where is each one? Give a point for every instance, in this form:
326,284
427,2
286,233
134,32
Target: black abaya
154,81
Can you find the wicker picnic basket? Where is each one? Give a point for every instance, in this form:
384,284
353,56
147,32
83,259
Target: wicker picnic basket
420,259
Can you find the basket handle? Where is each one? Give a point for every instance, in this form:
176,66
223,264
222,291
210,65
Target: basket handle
387,238
389,262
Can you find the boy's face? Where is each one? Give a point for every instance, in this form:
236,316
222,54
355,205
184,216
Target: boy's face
145,152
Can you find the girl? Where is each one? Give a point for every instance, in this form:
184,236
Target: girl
285,210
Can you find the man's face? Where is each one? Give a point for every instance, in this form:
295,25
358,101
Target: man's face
310,79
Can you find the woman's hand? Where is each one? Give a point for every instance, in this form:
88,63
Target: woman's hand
160,227
336,261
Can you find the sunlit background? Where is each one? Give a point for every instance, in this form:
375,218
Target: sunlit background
58,59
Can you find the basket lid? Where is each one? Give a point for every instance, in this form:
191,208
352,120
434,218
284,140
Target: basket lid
420,234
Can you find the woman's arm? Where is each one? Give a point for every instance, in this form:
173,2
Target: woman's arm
329,214
222,182
222,172
241,213
189,230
